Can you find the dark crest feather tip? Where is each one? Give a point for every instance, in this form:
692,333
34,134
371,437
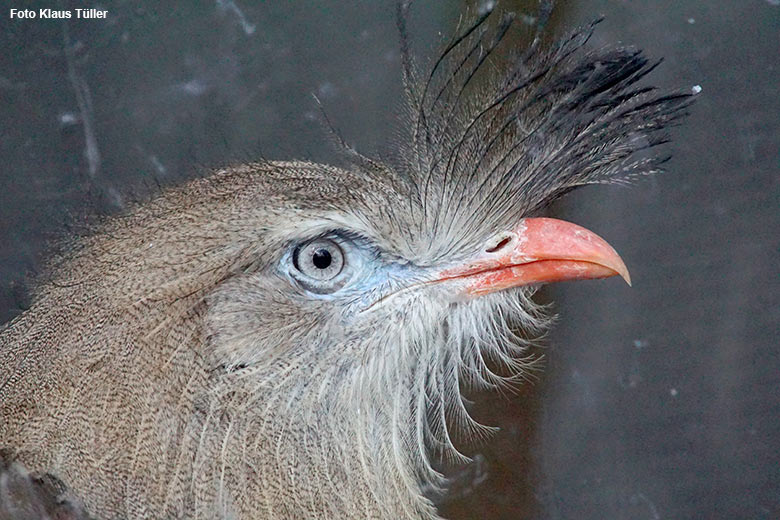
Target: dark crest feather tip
504,139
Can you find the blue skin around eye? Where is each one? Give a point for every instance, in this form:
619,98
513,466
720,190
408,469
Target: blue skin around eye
370,276
377,279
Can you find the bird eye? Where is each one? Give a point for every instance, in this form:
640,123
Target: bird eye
320,260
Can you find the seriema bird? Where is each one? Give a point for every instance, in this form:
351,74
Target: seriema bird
290,340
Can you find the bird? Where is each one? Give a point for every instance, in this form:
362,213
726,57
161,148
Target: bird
290,339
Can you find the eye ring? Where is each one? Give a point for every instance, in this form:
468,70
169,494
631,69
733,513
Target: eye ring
318,264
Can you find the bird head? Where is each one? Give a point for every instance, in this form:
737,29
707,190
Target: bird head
348,271
388,287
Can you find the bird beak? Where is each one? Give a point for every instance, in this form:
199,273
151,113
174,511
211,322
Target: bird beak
539,250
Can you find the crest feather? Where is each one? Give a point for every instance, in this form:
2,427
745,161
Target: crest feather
490,142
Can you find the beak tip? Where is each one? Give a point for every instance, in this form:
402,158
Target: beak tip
622,270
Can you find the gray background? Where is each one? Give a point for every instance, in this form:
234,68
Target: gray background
657,401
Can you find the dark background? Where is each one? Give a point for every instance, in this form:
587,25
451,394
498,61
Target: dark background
657,401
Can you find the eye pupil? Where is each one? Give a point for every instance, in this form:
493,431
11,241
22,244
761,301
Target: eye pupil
319,265
321,259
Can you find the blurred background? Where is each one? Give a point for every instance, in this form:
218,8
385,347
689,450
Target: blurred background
658,401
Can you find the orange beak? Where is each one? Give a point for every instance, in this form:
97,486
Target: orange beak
539,250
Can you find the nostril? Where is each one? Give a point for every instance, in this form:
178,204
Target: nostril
499,243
